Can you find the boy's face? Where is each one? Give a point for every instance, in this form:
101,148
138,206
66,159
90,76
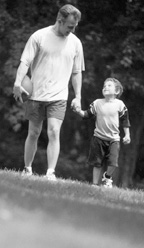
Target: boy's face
109,89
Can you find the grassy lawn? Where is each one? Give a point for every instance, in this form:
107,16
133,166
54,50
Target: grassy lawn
37,213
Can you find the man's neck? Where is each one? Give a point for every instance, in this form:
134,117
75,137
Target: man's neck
56,31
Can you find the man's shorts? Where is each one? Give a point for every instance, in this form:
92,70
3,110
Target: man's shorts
39,111
102,150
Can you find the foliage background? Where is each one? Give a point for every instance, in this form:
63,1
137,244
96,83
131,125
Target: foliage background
112,34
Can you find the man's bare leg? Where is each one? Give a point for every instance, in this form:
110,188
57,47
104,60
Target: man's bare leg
96,175
53,149
34,131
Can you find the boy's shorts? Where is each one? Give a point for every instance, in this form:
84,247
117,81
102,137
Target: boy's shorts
101,150
39,111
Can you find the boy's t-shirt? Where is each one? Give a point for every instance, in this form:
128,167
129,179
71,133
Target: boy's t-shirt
107,118
52,59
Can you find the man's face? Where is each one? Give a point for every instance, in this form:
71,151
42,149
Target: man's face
65,28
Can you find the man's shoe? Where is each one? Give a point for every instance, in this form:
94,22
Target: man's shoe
51,176
95,185
27,171
107,182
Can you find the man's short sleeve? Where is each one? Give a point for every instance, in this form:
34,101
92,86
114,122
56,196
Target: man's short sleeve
78,65
30,50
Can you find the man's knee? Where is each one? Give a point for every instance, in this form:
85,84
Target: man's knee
34,133
53,132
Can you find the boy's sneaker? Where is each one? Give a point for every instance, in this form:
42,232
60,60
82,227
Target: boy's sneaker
27,171
107,182
51,176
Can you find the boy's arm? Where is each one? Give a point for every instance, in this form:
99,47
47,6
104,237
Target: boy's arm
86,114
124,117
126,138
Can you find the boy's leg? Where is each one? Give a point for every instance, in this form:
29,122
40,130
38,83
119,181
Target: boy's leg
112,157
110,171
95,158
34,131
112,162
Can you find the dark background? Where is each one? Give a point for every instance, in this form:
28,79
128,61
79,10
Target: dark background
112,34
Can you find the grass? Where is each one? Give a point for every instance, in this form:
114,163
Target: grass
37,213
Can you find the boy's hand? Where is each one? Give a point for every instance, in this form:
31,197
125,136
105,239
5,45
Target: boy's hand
126,140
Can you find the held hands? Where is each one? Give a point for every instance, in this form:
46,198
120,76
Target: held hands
126,139
76,105
18,91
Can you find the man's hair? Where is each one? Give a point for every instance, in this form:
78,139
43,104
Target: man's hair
67,10
118,86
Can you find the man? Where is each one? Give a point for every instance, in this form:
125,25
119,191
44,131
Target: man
53,54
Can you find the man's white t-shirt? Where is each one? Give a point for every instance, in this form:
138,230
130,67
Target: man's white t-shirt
52,60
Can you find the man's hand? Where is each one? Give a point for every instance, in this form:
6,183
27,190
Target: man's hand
17,92
76,104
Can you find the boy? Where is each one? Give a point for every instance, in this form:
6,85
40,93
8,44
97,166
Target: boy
105,143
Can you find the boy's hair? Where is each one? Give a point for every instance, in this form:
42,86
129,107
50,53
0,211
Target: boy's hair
67,10
118,86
